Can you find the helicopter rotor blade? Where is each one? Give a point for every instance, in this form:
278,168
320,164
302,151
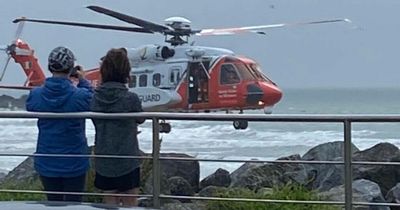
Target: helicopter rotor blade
3,47
5,67
130,19
87,25
256,29
19,30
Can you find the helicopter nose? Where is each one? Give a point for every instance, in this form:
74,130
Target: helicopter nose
272,94
263,94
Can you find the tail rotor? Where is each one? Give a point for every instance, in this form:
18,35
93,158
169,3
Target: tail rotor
10,49
5,67
19,30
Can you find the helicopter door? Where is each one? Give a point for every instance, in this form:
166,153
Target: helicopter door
198,84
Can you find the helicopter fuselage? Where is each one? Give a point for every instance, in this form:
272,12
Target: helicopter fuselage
194,79
186,79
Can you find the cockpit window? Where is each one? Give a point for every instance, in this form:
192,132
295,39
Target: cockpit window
229,74
256,69
244,71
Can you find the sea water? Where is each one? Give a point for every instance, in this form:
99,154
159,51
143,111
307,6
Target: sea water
261,140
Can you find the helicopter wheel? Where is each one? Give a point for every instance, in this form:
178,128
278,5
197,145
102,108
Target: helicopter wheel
240,124
165,127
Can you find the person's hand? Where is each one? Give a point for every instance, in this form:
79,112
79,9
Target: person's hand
78,72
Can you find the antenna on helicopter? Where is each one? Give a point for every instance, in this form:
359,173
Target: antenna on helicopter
177,30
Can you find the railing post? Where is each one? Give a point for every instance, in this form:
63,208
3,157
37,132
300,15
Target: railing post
348,170
156,163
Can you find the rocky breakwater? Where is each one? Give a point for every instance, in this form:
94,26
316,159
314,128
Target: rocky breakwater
177,177
371,183
9,102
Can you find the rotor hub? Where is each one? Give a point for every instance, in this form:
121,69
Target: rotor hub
178,23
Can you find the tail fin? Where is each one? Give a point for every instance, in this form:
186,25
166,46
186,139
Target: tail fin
24,55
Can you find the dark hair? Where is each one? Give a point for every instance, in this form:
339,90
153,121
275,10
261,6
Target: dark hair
115,66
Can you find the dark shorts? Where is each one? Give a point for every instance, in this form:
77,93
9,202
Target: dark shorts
122,183
64,184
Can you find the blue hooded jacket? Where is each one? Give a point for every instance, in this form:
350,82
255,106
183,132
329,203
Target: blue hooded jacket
61,136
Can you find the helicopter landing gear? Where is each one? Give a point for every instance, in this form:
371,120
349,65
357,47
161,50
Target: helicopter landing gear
165,127
240,124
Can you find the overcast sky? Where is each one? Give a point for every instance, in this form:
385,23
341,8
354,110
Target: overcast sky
363,54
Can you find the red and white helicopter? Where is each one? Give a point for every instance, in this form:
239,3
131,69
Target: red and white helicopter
179,77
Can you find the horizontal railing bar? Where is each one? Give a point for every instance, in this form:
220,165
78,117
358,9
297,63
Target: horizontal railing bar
252,161
375,204
75,156
202,159
375,163
208,116
73,193
284,161
252,200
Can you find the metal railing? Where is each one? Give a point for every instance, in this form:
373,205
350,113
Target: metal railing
346,120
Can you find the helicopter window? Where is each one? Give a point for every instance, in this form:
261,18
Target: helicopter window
143,80
172,77
258,72
229,74
244,71
156,80
132,81
255,71
206,63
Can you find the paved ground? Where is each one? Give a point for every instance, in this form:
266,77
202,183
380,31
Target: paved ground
36,205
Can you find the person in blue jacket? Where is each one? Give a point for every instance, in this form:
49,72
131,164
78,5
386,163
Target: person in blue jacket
61,136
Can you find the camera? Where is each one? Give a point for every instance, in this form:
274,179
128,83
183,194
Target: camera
74,71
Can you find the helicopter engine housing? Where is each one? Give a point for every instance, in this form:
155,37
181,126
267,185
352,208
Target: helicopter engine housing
150,52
